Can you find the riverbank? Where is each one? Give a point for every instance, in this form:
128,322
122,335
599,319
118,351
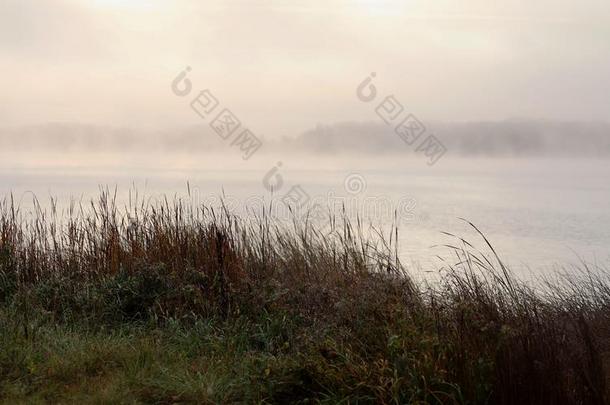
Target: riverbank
172,303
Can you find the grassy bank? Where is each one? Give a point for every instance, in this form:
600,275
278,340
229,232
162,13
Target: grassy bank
170,303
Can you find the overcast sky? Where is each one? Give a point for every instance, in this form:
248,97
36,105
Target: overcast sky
283,66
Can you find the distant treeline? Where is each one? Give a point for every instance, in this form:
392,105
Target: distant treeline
501,138
519,138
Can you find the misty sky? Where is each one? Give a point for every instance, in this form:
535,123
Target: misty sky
283,66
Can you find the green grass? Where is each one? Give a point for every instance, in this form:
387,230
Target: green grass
202,362
129,364
172,303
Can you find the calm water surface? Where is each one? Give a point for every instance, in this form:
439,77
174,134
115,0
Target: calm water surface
537,213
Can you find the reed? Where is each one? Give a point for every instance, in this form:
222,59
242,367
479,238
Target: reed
168,302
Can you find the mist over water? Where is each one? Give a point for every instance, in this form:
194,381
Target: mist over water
512,138
539,211
517,95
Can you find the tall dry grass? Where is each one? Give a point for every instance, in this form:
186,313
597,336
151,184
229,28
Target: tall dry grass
359,326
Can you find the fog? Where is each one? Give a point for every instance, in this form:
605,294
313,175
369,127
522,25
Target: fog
284,66
492,111
515,138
